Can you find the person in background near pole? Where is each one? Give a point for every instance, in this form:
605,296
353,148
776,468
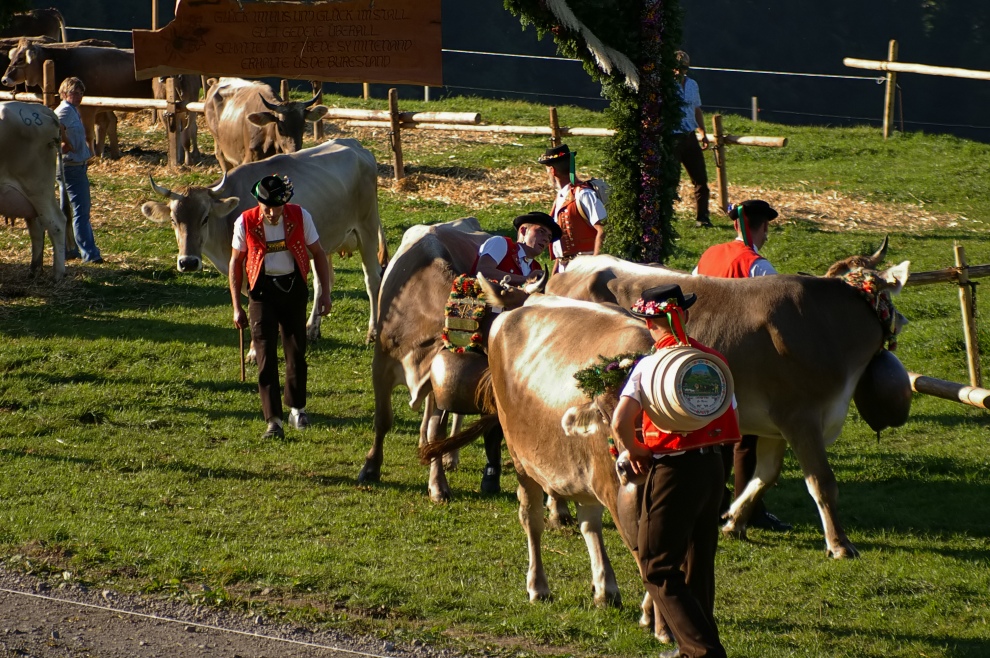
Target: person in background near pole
501,257
76,155
740,259
577,209
678,520
686,146
274,242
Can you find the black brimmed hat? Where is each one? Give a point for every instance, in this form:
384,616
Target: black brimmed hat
756,211
273,190
540,218
556,154
656,301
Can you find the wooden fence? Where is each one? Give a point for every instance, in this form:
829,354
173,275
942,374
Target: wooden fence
893,67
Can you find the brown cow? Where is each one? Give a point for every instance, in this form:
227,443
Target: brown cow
796,345
36,23
249,122
104,71
414,290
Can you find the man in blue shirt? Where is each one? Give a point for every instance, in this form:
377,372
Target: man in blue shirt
686,146
75,155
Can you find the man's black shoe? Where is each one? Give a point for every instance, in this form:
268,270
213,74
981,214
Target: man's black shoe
274,431
490,483
703,224
768,521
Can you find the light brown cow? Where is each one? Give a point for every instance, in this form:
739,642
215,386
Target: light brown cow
414,290
29,133
249,122
796,345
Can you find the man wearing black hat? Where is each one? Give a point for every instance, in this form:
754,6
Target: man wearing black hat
678,520
501,257
577,209
741,259
273,243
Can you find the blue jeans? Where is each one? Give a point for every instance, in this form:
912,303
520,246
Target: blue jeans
77,188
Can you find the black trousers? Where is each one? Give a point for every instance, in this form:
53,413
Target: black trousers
689,152
278,306
678,537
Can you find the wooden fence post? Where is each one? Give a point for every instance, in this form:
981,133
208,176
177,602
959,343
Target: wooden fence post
755,109
554,128
174,116
968,317
365,90
49,90
284,90
393,110
723,178
888,100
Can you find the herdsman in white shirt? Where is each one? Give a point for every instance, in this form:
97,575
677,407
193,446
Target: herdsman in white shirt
577,209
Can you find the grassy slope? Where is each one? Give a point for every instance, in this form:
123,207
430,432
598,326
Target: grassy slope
130,452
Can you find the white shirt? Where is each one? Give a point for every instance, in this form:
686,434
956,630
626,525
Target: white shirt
761,266
496,248
590,204
279,262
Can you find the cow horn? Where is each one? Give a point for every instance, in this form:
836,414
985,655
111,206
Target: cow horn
216,189
311,101
881,253
538,285
271,106
164,191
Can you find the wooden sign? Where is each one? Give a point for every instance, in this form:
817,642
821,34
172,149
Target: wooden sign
390,41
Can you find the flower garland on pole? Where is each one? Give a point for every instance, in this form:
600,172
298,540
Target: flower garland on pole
639,163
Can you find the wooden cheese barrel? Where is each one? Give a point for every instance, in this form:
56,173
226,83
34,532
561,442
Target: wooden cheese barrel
684,388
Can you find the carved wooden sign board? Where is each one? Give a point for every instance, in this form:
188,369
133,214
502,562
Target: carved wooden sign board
390,41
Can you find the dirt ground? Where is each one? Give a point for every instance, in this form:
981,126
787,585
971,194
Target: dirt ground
50,619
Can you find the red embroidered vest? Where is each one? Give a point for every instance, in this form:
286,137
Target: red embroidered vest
731,260
724,429
295,240
510,263
579,235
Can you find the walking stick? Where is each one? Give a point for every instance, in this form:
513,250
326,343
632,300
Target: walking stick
240,335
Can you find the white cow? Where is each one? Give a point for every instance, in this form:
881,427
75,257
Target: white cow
29,152
337,182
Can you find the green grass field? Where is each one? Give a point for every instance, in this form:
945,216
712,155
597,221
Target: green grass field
131,454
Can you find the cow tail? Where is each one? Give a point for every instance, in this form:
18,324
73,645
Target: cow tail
484,395
431,451
382,247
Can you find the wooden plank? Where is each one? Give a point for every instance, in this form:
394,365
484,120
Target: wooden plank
888,99
940,388
968,308
396,132
948,274
904,67
723,176
391,41
405,117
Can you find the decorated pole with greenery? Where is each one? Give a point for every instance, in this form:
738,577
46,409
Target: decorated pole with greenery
644,106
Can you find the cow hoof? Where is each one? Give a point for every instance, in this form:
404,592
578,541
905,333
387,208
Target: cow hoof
844,551
371,337
451,461
370,472
440,496
535,597
490,481
663,635
608,599
560,521
732,531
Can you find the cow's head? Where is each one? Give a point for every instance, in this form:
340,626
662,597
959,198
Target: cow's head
25,65
190,209
288,120
878,287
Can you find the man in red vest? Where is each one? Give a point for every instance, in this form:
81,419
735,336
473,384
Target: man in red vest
501,257
577,209
274,242
678,520
740,259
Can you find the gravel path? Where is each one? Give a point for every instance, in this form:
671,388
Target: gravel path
37,621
